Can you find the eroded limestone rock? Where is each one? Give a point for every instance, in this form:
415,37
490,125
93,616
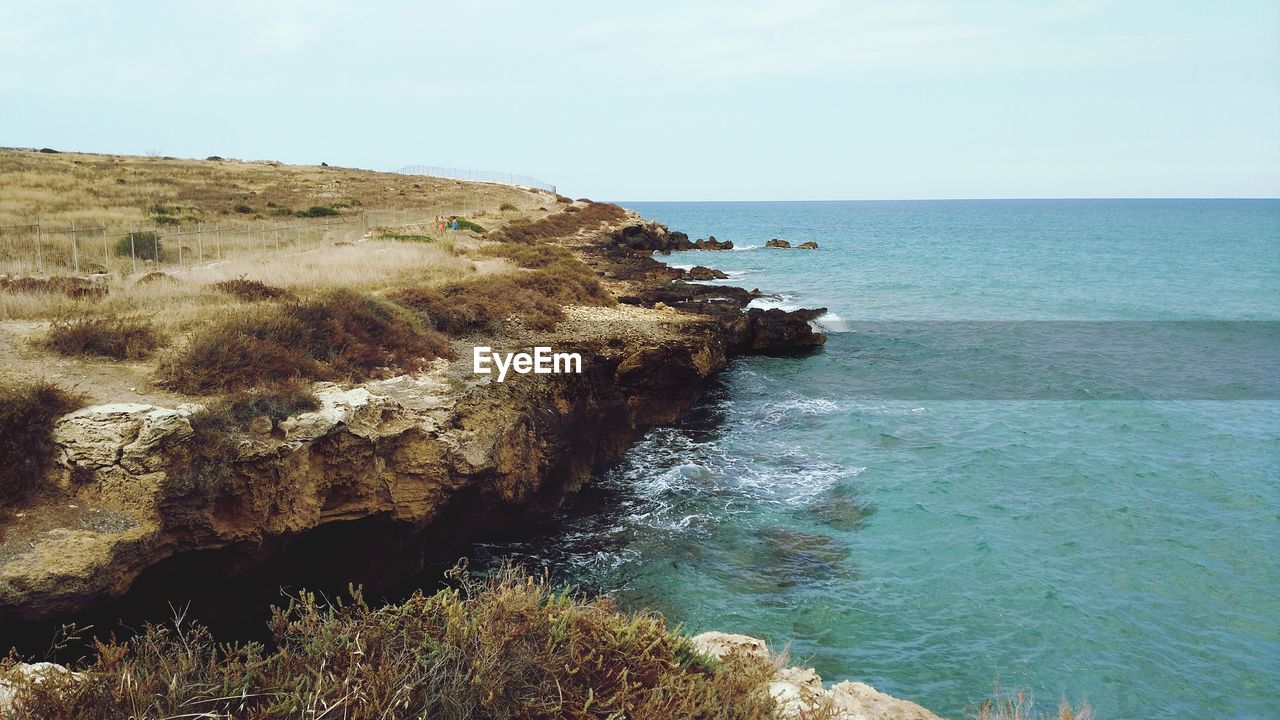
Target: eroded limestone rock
800,693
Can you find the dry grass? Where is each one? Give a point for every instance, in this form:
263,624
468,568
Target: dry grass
119,190
248,290
509,647
1020,706
535,297
340,334
117,337
188,298
560,225
27,413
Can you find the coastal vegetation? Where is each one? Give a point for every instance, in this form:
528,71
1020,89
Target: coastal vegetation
505,646
27,413
340,334
120,337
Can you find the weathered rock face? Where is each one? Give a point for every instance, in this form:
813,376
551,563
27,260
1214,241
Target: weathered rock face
807,245
433,458
699,272
655,237
776,243
799,692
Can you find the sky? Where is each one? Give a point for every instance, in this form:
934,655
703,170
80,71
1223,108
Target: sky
656,100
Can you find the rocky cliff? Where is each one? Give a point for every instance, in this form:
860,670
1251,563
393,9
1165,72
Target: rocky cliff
416,465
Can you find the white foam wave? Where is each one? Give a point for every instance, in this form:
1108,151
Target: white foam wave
831,322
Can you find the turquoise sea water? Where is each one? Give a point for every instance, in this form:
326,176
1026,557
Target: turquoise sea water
932,540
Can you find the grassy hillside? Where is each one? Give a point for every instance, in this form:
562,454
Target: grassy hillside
59,188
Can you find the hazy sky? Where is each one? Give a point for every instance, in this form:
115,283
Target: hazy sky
675,100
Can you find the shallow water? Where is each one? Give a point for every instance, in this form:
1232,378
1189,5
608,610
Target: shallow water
930,507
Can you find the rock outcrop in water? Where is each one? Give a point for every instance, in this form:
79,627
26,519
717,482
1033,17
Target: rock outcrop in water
420,464
654,237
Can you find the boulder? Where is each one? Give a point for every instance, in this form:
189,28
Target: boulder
808,245
34,673
711,243
699,272
719,645
781,332
799,692
778,243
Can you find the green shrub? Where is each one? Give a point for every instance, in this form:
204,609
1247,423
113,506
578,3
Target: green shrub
400,237
509,647
506,206
341,334
118,337
165,220
464,224
317,211
27,414
282,212
142,245
243,209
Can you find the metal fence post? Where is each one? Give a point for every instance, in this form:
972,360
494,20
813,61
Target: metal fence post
133,253
75,251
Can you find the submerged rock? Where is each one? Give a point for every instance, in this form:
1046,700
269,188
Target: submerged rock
807,245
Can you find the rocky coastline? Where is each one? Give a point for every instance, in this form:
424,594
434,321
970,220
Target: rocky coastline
423,463
389,476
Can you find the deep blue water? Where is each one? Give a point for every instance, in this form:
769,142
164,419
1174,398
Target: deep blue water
904,514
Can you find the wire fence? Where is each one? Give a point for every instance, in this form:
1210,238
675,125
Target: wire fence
492,176
86,248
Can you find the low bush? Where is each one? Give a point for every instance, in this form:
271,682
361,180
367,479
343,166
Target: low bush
509,647
165,220
27,413
529,256
118,337
534,297
481,306
561,224
72,287
252,290
402,237
339,334
464,224
505,207
142,245
277,400
243,209
316,211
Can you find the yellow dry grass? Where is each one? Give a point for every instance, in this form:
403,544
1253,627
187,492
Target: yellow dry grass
307,257
59,188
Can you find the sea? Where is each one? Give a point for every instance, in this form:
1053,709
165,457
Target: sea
1039,453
